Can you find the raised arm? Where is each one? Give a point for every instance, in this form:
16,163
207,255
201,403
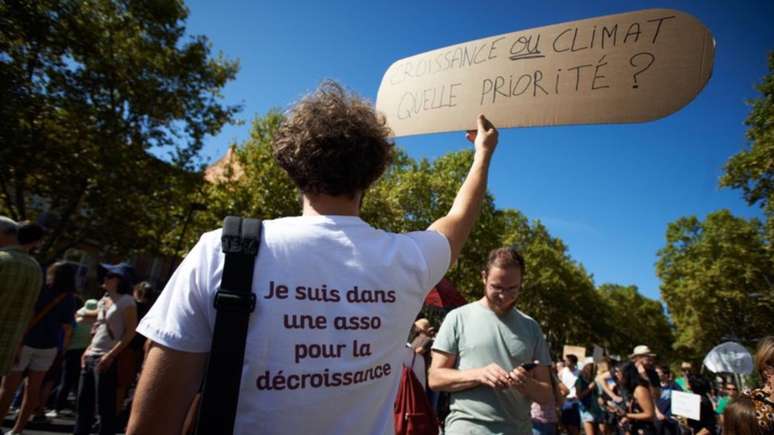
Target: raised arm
458,223
168,383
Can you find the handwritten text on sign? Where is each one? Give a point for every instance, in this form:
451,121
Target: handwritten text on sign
619,68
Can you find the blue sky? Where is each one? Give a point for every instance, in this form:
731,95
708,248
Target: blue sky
608,191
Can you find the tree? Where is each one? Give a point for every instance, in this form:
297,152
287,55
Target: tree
716,281
716,275
558,292
412,195
89,88
408,197
752,170
252,184
634,319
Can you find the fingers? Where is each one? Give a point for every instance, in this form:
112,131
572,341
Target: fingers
481,120
484,126
495,376
519,376
493,381
485,132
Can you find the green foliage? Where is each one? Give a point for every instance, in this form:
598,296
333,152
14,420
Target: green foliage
716,281
88,88
716,275
252,185
558,292
752,170
412,195
635,319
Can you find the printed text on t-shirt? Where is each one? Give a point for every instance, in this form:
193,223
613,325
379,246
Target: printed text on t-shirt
307,351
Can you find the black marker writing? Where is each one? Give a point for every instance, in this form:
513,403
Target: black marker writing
523,48
413,103
597,75
658,27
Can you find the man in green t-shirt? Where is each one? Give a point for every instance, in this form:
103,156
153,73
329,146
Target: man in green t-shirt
478,353
731,394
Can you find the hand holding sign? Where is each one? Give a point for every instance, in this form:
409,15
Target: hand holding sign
631,67
485,137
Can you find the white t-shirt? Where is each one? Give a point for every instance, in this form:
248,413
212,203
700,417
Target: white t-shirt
110,324
335,298
568,378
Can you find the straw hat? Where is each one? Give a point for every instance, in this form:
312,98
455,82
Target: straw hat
641,350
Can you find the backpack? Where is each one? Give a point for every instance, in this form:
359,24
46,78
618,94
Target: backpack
413,413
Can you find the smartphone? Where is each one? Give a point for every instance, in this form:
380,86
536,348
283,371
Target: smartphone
529,366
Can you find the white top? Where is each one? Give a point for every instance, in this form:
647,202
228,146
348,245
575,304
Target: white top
335,299
110,324
568,378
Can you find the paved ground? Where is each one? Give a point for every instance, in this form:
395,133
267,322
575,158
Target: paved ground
54,427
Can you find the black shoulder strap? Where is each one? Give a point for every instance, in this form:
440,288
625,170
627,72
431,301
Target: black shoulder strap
234,302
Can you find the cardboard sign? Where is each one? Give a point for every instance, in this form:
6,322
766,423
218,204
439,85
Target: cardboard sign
631,67
686,404
578,351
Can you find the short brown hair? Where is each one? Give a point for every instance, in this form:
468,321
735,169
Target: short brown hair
764,356
333,143
504,258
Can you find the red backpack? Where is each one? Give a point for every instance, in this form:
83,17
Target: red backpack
413,413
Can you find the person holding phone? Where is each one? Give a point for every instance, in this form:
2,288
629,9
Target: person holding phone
492,357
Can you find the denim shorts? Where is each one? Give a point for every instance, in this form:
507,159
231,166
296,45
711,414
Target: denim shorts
588,417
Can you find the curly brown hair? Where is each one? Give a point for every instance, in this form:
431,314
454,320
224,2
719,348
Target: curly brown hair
333,142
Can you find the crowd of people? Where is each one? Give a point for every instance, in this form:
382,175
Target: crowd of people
78,357
487,393
333,299
634,396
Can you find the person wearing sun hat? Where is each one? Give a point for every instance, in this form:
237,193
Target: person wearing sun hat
645,360
641,351
114,329
89,309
